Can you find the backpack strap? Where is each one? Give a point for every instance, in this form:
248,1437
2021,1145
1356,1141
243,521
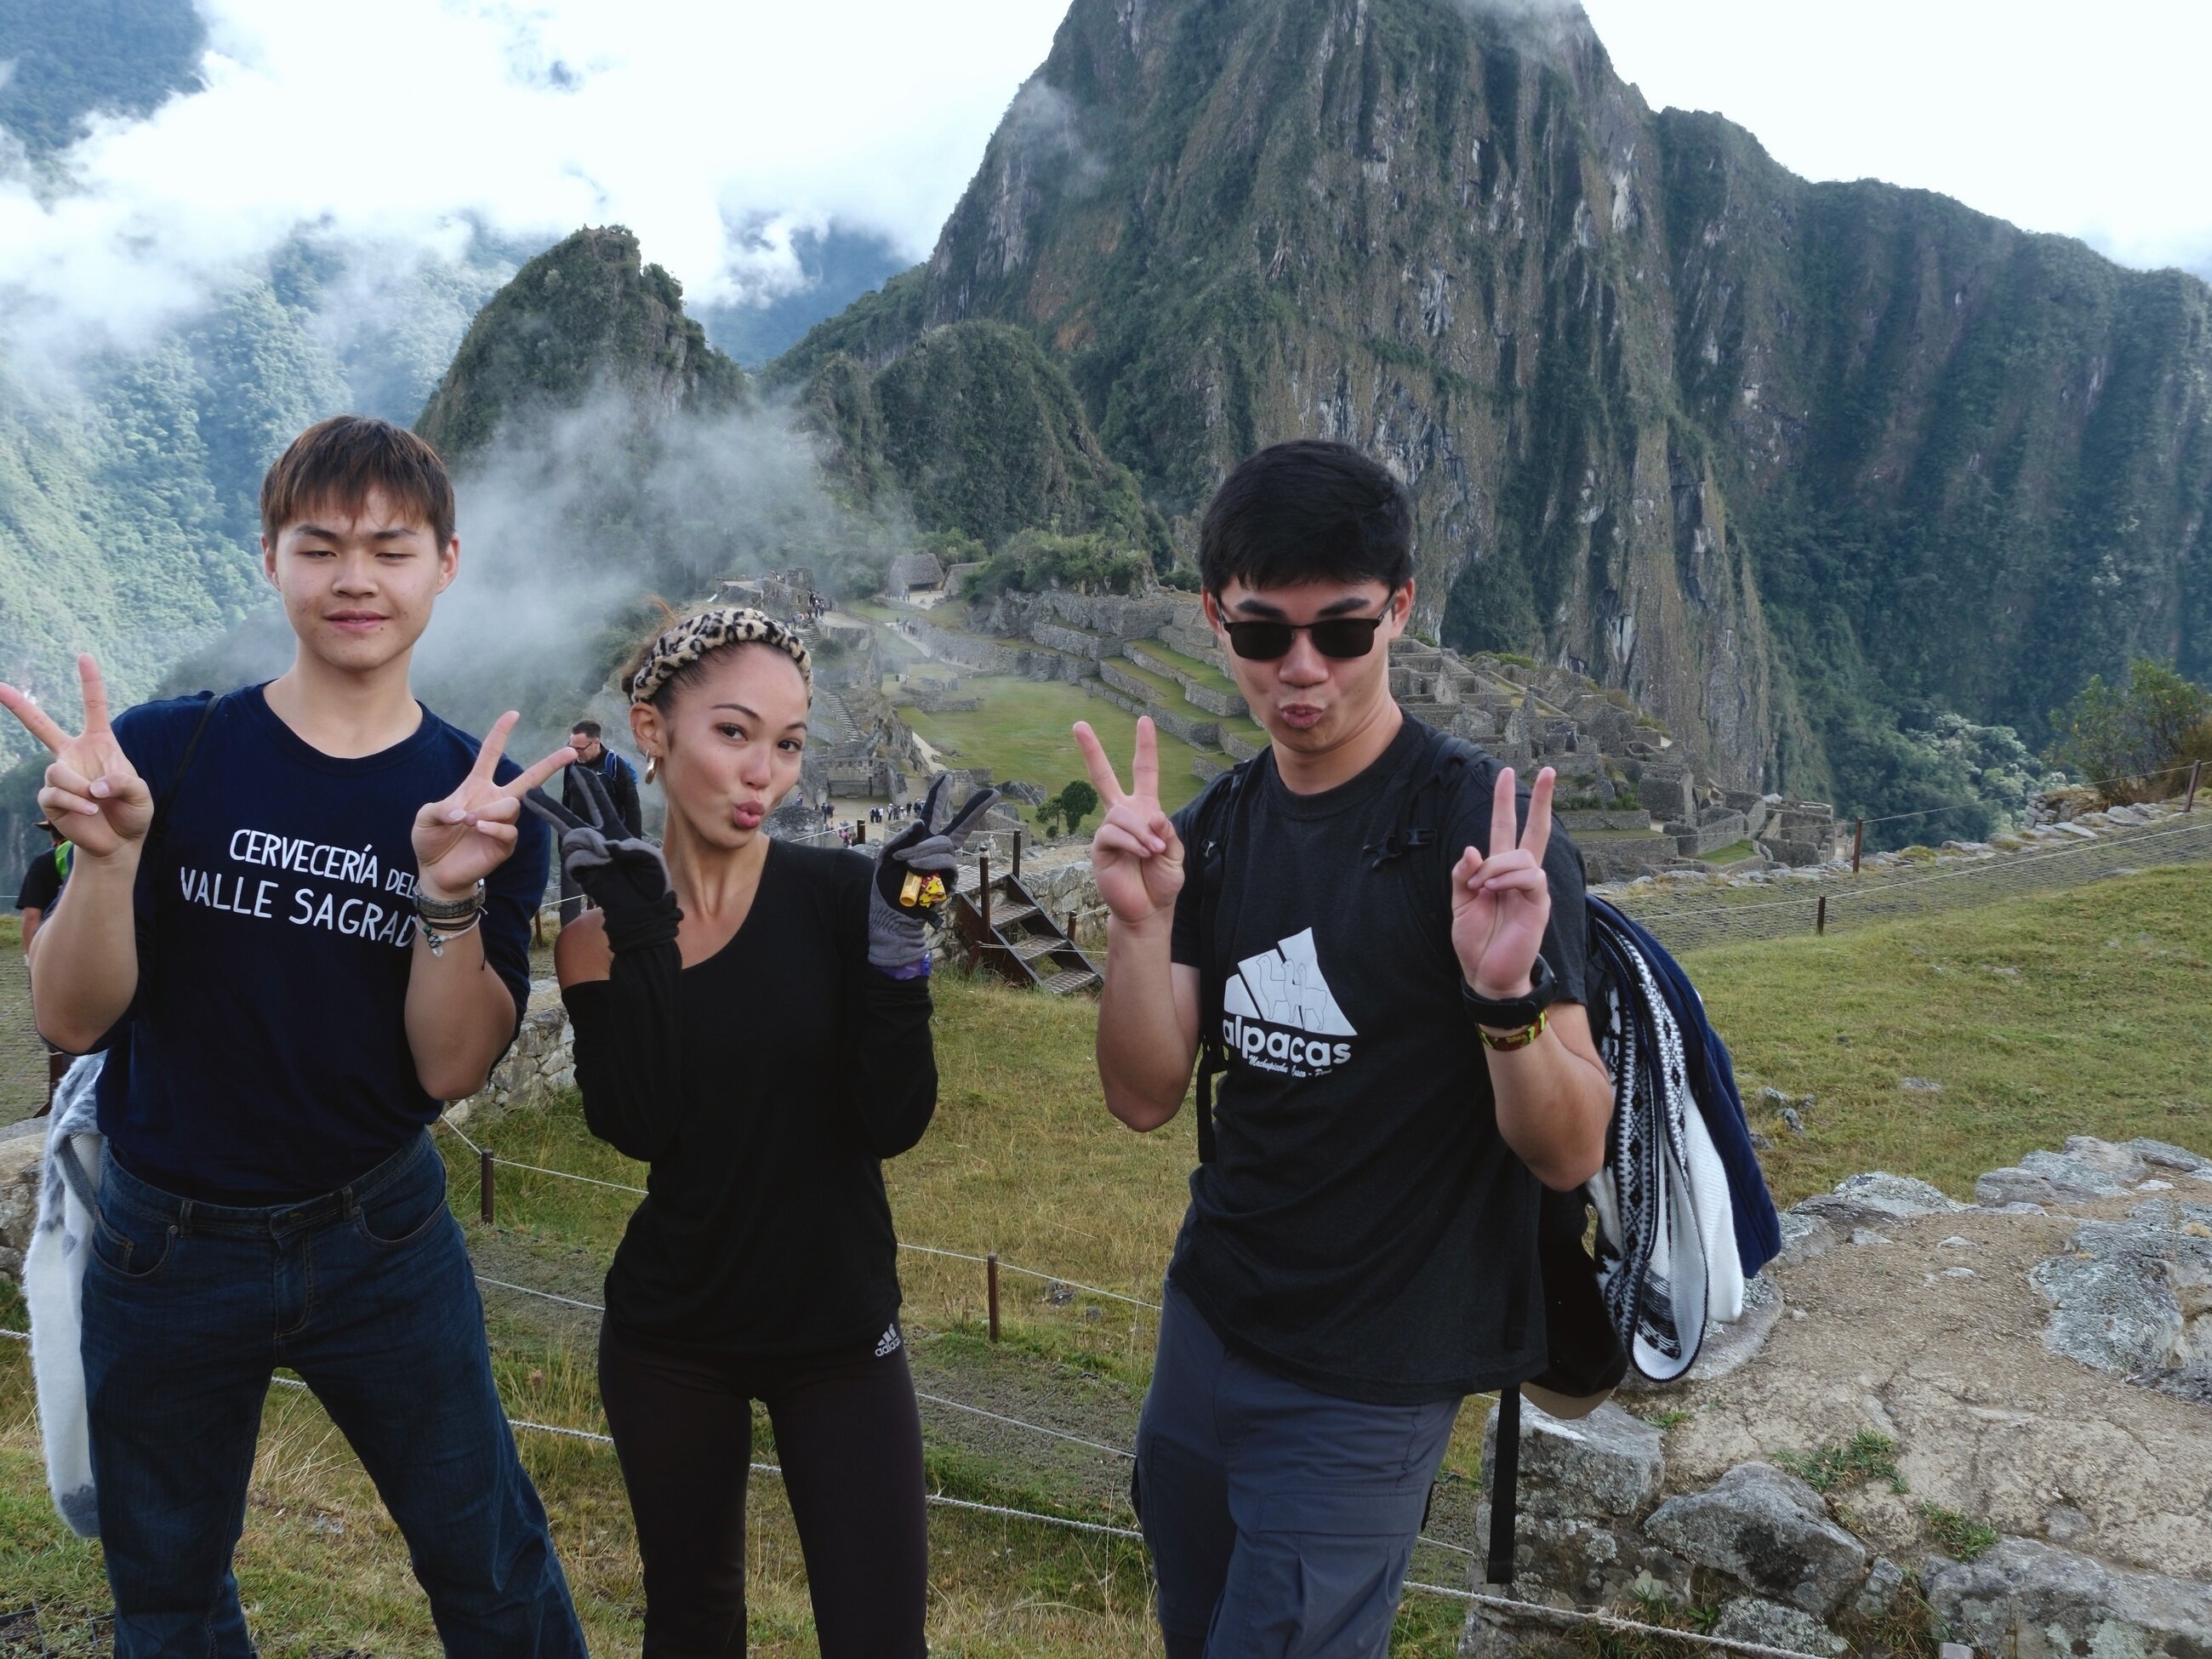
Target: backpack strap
1217,808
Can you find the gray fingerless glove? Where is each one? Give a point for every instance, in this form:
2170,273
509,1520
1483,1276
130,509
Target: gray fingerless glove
898,939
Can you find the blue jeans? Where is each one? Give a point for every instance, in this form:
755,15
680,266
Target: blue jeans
369,1294
1281,1521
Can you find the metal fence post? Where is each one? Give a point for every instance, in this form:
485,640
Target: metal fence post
1858,843
484,1185
991,1290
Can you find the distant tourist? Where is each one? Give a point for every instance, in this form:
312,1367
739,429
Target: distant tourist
764,1266
617,777
42,885
297,923
1404,1059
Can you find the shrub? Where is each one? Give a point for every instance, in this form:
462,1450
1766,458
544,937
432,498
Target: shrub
2128,741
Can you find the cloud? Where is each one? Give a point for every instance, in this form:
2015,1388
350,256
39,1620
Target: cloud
716,132
1045,125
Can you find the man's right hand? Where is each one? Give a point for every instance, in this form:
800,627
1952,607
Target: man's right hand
93,794
1136,856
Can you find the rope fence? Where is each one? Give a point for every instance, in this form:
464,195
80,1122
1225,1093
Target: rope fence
1505,1606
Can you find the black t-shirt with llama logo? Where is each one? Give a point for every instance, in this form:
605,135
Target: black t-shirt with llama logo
1363,1229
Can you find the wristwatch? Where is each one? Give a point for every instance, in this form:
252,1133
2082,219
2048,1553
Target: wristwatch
1523,1016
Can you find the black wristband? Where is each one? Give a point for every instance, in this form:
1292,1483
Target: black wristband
1521,1011
641,925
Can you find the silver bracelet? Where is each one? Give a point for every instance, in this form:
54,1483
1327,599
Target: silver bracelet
438,941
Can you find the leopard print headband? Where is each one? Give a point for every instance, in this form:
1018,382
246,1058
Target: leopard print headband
685,643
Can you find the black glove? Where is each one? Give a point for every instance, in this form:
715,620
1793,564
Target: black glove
896,937
625,878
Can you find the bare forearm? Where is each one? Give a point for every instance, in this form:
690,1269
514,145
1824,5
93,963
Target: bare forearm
461,1016
1143,1059
84,959
1553,1106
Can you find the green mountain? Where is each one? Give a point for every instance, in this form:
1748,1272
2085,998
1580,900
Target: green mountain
69,59
1798,465
974,428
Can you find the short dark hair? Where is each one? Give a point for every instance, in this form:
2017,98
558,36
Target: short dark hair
588,728
340,461
1308,510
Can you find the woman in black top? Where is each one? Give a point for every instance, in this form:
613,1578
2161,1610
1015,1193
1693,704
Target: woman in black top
752,1019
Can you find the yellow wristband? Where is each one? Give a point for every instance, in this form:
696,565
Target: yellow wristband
1512,1039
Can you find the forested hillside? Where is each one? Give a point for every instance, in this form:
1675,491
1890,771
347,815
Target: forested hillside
69,59
1798,465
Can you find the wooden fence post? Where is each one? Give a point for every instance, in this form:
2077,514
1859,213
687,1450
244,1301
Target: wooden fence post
1820,915
2195,767
983,889
1858,843
991,1290
484,1186
1017,855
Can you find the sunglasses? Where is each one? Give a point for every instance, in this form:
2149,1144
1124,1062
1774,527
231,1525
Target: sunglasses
1339,637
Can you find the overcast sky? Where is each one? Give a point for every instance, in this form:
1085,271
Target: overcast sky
691,122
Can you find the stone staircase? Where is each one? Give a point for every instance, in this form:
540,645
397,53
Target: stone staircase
1010,934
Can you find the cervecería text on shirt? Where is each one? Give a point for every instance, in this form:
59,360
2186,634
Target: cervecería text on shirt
265,897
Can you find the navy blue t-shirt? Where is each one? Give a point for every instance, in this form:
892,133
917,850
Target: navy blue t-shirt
265,1057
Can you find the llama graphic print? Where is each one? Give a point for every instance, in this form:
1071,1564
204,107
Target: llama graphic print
1278,1013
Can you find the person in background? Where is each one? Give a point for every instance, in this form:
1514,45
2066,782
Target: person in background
763,1264
619,779
42,885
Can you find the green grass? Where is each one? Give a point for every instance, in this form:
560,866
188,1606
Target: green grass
1022,730
1172,692
1959,1536
1865,1457
2074,1012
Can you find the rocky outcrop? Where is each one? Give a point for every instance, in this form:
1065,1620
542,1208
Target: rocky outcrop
2028,1601
1999,1397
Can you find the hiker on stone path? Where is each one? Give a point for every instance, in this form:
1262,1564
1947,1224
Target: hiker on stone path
298,921
763,1267
1404,1058
619,778
42,889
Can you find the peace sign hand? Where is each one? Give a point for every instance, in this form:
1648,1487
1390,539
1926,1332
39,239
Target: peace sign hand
1501,904
1136,856
462,839
93,794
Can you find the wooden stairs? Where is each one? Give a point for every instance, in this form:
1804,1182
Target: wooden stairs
1009,932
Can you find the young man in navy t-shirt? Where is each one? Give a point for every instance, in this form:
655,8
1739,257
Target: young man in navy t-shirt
298,922
1388,944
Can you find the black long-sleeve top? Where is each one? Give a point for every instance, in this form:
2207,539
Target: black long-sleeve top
764,1086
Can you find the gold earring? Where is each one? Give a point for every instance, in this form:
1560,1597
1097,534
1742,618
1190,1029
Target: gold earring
652,766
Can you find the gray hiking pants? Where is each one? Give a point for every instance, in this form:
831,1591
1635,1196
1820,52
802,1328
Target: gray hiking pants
1281,1521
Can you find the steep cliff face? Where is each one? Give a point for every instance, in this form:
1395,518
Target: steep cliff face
587,316
1760,452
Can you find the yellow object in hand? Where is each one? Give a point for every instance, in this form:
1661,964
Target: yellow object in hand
925,891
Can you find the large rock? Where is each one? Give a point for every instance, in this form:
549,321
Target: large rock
1767,1529
2028,1601
2087,1169
2135,1296
1609,1463
1772,1625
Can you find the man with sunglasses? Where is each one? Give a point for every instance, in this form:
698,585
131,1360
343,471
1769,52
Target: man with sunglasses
1383,943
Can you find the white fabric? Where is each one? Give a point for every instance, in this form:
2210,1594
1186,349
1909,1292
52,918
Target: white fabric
1715,1213
53,1288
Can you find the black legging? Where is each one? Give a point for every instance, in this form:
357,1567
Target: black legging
848,1437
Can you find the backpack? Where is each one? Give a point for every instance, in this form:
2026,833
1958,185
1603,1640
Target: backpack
1600,1314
